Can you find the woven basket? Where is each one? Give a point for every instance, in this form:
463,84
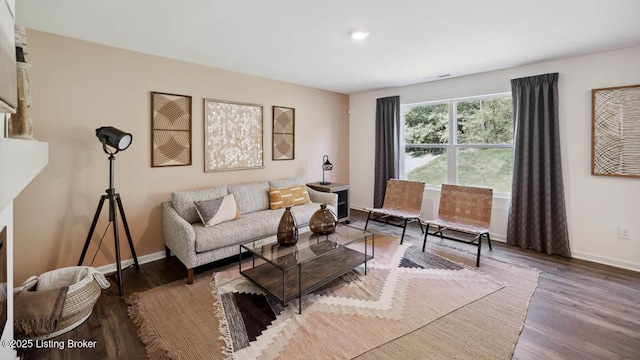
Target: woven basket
85,285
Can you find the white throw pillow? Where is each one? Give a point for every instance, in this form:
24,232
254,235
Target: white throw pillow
218,210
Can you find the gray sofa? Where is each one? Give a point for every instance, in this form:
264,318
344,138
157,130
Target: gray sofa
195,245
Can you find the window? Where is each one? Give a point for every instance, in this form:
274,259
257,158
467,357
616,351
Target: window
462,141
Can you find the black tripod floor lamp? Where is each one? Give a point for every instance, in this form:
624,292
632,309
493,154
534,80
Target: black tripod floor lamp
118,140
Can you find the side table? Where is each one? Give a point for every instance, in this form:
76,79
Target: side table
342,190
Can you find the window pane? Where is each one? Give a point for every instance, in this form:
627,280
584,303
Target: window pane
427,124
491,168
428,165
487,121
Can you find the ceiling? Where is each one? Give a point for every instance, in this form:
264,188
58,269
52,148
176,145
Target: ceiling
307,42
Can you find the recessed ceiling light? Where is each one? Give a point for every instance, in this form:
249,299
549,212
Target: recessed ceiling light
359,34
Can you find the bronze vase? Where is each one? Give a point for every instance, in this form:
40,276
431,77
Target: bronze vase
287,229
323,221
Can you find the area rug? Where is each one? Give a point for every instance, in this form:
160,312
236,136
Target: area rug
410,304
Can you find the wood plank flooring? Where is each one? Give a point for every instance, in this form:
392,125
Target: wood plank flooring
580,310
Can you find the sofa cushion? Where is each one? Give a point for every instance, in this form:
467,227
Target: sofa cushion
288,196
251,197
288,182
280,198
303,213
219,210
183,201
300,195
253,226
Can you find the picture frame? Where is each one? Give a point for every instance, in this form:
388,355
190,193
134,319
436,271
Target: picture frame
283,140
615,131
233,136
171,130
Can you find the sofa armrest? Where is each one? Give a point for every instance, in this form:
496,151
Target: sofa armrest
178,235
330,199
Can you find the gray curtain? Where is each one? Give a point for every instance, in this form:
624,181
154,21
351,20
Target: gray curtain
387,145
537,217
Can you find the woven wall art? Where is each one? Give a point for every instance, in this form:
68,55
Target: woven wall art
232,136
170,130
616,131
284,119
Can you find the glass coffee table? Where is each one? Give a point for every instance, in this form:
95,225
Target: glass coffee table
288,272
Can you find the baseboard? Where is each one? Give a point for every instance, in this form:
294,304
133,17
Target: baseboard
111,268
357,207
499,237
624,264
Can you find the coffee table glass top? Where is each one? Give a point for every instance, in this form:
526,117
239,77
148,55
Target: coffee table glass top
308,247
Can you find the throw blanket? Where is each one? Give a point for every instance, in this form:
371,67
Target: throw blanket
37,313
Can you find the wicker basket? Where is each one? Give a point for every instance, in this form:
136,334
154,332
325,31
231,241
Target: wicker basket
85,285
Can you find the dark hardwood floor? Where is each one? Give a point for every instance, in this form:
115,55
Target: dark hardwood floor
580,310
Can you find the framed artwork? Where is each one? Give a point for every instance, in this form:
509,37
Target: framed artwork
233,136
615,131
284,121
170,130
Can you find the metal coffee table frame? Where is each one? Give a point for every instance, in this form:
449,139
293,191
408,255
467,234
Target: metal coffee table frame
319,259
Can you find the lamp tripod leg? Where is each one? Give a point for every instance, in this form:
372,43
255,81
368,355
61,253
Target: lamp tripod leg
93,227
126,230
114,200
116,238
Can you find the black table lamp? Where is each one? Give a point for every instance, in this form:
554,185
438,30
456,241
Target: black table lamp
326,166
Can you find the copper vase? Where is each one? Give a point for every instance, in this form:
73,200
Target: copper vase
287,229
323,221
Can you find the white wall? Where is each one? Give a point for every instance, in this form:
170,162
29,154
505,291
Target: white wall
21,161
12,6
6,220
596,205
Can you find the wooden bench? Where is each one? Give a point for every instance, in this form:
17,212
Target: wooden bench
463,209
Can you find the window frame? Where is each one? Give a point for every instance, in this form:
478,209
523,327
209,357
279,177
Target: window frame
452,146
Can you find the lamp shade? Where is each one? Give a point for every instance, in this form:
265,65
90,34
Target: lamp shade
113,137
326,164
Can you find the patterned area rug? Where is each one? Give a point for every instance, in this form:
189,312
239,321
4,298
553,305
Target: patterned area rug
410,305
403,290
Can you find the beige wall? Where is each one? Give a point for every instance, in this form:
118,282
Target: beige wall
79,86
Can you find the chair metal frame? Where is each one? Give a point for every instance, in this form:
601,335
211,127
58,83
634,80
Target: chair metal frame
464,209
